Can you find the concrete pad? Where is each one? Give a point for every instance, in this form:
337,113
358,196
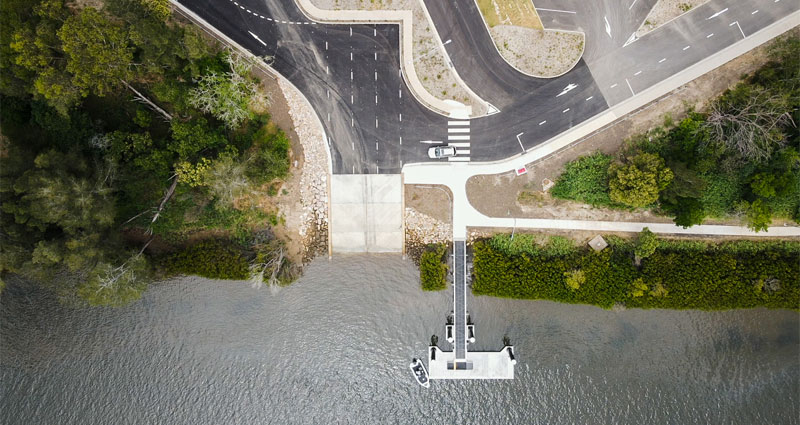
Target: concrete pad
366,213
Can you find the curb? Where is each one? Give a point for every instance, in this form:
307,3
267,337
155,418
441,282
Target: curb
404,18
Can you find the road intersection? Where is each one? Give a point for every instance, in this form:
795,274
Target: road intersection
351,73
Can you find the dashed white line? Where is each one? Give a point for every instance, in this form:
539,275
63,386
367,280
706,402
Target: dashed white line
687,48
754,12
376,75
543,122
565,111
589,98
327,69
400,94
352,122
401,140
637,73
351,31
662,60
351,75
374,32
351,55
376,55
329,116
329,93
401,117
631,6
326,45
376,123
376,99
376,145
717,14
614,85
710,35
351,99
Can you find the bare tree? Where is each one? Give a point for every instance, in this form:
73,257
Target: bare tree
267,268
228,95
751,128
143,99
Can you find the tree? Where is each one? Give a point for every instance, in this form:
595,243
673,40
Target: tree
688,212
638,182
749,121
98,54
226,95
115,286
585,179
645,245
759,216
158,8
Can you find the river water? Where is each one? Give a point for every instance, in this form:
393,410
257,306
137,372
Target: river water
334,348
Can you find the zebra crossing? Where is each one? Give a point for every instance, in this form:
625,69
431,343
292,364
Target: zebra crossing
458,137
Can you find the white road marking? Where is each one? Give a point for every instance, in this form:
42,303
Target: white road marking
376,123
351,75
283,22
520,141
400,94
241,7
401,140
717,14
630,40
631,6
457,137
637,73
329,116
458,130
565,111
608,27
351,99
614,85
353,145
374,32
686,48
376,145
462,151
567,89
329,93
401,117
269,19
449,123
327,69
354,169
662,60
256,37
326,45
376,75
351,55
458,159
376,99
589,98
248,11
740,28
754,12
710,35
459,144
556,10
376,55
543,122
352,122
629,86
351,31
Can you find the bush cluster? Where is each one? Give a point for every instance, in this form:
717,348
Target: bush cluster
432,268
212,258
677,275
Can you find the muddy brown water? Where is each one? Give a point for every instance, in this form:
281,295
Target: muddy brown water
334,348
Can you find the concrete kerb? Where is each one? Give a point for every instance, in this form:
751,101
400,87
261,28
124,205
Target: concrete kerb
583,49
405,19
211,30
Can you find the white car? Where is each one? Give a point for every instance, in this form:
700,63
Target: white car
438,152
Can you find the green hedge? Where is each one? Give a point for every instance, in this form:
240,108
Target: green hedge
678,275
432,268
214,259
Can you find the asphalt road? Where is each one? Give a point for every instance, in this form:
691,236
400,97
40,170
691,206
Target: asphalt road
351,75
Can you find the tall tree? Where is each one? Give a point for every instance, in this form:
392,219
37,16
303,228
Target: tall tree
638,181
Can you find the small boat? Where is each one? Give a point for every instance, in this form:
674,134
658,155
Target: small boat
420,373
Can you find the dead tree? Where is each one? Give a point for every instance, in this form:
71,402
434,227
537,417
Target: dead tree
143,99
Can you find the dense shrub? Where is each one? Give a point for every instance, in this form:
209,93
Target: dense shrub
585,180
678,275
210,258
432,268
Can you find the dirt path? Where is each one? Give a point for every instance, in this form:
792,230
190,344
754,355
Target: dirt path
505,195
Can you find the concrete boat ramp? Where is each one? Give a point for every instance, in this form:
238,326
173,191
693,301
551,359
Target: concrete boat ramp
460,363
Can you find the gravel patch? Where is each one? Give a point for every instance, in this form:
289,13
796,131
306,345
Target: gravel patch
664,11
539,53
421,230
429,60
